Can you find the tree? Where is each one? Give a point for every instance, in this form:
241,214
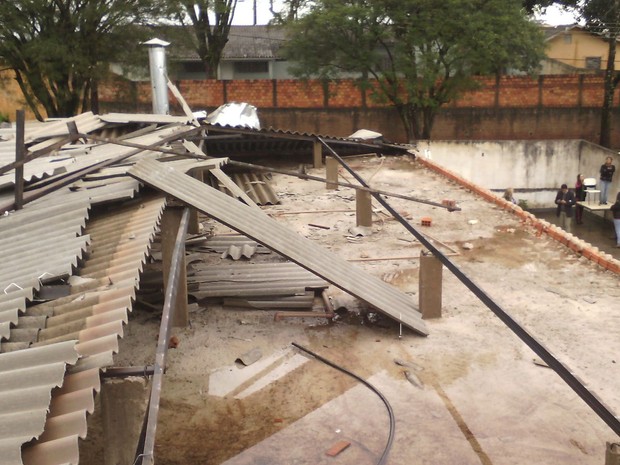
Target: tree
59,48
210,21
603,17
289,10
416,55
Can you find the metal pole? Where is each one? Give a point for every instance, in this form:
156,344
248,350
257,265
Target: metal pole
162,342
159,80
20,151
603,411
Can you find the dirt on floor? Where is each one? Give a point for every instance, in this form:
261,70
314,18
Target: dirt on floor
471,392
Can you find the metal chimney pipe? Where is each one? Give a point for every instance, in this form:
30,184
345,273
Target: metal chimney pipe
159,79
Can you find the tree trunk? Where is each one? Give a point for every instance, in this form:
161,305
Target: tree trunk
608,99
408,116
428,115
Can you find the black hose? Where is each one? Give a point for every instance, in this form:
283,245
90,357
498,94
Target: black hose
388,444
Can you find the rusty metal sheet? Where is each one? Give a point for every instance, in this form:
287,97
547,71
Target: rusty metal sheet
380,295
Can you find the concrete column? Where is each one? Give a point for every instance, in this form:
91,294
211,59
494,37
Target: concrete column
317,154
123,405
612,453
331,165
169,227
194,224
430,285
363,208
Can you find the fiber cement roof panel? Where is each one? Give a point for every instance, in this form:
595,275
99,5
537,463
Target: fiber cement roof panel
255,185
95,318
144,118
27,378
85,122
263,229
33,249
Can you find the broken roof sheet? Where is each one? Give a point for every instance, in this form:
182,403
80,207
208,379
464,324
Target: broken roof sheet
382,296
100,252
42,241
251,280
27,378
237,142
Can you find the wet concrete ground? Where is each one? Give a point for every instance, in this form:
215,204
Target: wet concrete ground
595,229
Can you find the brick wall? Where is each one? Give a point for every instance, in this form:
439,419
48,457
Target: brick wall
549,91
512,107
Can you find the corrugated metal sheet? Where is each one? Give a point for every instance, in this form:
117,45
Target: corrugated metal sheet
27,378
251,279
260,227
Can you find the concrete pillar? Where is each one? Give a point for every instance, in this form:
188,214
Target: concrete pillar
169,227
193,226
123,405
430,285
317,154
612,453
363,208
331,165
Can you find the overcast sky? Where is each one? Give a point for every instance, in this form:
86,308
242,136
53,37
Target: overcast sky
244,14
556,17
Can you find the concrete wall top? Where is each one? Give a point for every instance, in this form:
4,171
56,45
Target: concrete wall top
535,169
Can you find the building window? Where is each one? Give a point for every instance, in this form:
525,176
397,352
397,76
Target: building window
193,67
593,62
568,38
251,67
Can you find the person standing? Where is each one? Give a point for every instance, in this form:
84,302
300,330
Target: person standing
607,173
565,200
580,196
615,210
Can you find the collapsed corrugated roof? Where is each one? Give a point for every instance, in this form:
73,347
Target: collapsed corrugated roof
275,236
28,377
84,227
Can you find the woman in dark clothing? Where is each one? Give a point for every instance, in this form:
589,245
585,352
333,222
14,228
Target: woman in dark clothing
580,196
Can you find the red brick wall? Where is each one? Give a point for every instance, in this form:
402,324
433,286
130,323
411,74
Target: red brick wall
550,91
512,107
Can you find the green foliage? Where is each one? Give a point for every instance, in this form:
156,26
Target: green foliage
60,48
209,21
602,17
419,54
523,204
4,118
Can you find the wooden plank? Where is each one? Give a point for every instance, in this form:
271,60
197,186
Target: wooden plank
337,448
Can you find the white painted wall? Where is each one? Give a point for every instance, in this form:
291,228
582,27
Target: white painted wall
535,169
